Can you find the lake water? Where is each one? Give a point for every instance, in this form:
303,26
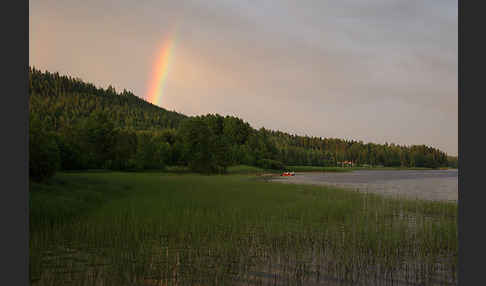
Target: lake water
441,185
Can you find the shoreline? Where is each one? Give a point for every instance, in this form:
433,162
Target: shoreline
437,187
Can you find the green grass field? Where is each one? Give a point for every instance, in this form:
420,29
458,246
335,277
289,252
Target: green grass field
105,228
318,169
233,170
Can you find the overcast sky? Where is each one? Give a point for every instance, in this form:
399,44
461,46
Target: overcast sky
376,70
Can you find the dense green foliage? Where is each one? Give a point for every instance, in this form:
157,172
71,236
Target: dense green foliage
452,162
100,128
62,101
147,228
44,155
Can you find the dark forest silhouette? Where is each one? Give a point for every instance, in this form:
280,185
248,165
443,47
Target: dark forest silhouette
75,125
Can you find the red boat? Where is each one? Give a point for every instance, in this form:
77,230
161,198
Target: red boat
287,174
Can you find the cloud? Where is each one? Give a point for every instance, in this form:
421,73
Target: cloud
296,66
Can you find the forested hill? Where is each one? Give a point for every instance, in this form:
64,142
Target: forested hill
62,101
75,125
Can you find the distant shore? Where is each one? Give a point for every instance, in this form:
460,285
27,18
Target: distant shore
245,169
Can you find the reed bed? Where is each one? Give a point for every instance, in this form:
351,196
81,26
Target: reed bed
159,229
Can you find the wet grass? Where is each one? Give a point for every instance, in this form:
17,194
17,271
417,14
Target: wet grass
166,229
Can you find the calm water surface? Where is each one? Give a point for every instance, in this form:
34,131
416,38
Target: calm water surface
441,185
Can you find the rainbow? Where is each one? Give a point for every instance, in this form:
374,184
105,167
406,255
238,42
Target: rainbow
160,71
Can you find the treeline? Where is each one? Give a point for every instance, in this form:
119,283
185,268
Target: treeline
316,151
206,144
75,126
61,101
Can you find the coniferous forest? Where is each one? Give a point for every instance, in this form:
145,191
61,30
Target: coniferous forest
75,125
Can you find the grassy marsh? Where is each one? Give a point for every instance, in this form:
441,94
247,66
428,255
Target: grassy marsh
186,229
